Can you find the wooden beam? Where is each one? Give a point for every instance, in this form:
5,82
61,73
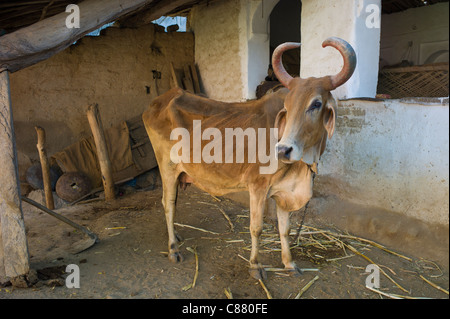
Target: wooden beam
45,38
102,150
44,12
14,257
45,167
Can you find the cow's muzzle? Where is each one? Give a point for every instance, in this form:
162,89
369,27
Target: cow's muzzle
284,152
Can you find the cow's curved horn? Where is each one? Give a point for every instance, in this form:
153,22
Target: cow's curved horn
277,63
349,56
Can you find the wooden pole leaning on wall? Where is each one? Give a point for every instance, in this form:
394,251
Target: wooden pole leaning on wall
14,256
45,167
95,122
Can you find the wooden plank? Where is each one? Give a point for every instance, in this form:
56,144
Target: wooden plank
187,80
195,78
102,151
175,80
23,48
15,261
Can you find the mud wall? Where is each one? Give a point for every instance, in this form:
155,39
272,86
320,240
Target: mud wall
113,70
221,48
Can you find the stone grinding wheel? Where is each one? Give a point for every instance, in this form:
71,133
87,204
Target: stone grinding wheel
72,186
34,176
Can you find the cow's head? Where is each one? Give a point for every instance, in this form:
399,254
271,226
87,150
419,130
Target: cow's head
308,117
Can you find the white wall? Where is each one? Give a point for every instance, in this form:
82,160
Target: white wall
392,155
345,19
427,29
232,45
258,41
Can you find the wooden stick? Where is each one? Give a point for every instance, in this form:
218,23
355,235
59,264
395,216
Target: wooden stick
371,261
196,228
14,257
194,251
227,218
393,296
228,293
434,285
375,245
61,218
187,80
175,81
269,296
45,167
309,284
102,150
195,78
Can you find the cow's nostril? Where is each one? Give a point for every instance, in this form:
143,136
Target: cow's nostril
288,152
284,152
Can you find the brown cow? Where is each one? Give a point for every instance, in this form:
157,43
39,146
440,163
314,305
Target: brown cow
304,124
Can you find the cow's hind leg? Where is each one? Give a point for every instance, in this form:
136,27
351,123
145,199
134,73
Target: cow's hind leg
283,226
170,188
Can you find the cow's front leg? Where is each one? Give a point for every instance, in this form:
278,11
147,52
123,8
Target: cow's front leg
283,226
257,202
170,188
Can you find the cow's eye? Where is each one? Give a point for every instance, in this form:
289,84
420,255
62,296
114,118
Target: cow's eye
316,104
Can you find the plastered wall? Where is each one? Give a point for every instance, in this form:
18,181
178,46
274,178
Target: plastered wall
391,154
221,48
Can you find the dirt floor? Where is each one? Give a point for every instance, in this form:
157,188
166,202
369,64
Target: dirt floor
130,260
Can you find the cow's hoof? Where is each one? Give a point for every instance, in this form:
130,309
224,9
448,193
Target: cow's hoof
295,270
258,272
176,257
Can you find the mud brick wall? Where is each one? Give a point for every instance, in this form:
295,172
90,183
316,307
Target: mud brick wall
113,70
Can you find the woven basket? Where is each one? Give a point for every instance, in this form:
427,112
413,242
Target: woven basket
429,80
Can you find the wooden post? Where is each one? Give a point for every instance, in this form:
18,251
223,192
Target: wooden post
102,150
14,257
45,167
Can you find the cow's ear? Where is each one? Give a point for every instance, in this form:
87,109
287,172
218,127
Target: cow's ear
280,122
329,118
